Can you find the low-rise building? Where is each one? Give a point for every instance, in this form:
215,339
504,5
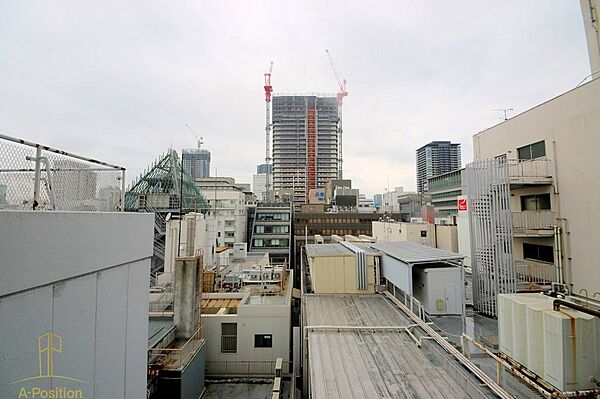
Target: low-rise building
249,327
444,191
391,231
533,191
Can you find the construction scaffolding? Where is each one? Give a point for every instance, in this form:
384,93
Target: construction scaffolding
492,259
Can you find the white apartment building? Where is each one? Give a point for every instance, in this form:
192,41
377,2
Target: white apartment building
227,204
554,185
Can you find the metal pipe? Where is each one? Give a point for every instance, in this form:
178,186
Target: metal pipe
36,179
489,382
557,303
122,190
546,392
50,182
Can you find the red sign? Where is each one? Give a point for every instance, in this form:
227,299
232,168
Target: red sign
462,204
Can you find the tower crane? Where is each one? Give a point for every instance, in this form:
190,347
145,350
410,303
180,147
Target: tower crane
268,90
342,92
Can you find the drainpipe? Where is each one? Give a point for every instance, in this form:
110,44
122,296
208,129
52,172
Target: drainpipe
377,271
558,252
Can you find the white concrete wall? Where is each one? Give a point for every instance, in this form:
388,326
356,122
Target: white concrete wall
570,126
84,277
446,237
400,231
251,320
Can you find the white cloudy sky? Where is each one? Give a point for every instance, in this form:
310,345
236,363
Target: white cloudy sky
118,80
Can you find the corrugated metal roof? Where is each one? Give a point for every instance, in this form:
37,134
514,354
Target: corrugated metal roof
410,252
327,250
336,250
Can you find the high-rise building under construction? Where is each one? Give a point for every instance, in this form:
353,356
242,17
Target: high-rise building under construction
305,143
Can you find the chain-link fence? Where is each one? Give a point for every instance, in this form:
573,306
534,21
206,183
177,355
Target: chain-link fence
33,176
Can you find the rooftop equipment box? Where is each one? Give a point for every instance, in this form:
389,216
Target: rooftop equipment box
438,289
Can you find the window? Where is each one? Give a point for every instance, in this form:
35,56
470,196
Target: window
229,337
260,229
543,253
263,341
423,233
532,151
258,242
535,202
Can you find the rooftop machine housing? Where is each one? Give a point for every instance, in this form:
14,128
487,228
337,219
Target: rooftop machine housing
432,276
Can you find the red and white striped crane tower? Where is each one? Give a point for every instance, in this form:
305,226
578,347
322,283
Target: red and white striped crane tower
342,92
268,91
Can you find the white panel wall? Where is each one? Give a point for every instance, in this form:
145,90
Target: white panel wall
397,272
84,277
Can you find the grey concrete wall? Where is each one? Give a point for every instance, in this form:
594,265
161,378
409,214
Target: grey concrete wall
85,278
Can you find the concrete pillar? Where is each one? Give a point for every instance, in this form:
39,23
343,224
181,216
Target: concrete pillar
188,276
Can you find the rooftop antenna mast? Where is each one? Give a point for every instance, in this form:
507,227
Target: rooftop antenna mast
342,92
505,110
268,90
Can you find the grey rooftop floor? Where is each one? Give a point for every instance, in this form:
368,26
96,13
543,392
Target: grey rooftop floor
369,364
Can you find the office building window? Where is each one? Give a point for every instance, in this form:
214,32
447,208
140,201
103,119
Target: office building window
263,341
258,242
542,253
229,337
535,202
532,151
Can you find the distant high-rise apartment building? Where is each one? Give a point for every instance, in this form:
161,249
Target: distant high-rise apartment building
434,159
264,174
305,143
196,161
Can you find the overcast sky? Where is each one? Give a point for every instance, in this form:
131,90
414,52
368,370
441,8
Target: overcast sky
118,80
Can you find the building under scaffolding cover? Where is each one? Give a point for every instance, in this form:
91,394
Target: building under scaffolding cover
159,189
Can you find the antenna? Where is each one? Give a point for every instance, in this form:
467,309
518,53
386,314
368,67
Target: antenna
505,110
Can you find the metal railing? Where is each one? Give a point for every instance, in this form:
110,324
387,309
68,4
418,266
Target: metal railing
176,358
524,170
35,176
533,220
246,368
532,275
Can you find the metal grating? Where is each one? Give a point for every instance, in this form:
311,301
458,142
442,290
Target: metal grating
361,265
492,257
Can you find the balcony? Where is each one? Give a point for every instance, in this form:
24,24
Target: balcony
527,172
533,223
533,276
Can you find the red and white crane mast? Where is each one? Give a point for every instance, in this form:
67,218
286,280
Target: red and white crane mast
268,91
342,92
